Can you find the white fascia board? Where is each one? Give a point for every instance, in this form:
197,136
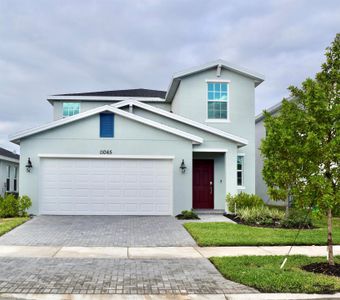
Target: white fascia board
9,159
84,156
16,137
184,120
259,77
103,98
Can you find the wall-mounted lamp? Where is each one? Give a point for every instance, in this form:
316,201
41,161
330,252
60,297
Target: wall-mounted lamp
29,165
183,166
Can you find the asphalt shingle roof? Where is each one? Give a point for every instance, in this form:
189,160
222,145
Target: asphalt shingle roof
9,154
122,93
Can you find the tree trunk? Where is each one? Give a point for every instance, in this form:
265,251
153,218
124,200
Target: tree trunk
330,239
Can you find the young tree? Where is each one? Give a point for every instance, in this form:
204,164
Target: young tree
302,148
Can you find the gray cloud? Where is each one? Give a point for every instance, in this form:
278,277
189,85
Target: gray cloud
61,46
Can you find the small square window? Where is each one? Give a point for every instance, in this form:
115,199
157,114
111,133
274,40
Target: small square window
71,109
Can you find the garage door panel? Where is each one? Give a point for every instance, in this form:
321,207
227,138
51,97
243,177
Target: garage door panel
105,186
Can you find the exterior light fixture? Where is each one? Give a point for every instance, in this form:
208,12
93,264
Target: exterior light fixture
29,165
183,166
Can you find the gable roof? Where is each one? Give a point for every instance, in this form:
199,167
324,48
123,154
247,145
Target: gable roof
16,137
115,95
5,154
176,79
240,141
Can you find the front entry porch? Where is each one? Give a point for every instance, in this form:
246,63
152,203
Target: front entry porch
208,182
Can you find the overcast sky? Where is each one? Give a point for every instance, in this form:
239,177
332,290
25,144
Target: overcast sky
49,47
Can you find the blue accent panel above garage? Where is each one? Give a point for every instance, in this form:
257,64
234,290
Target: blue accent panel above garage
106,125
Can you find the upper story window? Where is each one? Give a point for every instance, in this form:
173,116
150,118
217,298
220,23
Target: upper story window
71,109
240,170
218,95
106,125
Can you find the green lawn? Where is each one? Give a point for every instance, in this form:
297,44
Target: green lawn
228,234
263,273
10,223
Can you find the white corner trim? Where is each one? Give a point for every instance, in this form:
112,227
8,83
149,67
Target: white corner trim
106,156
9,159
16,137
210,150
103,98
187,121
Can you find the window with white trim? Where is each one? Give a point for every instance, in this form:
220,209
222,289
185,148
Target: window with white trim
8,179
240,170
15,180
218,95
71,109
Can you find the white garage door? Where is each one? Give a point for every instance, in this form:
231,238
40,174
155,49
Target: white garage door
70,186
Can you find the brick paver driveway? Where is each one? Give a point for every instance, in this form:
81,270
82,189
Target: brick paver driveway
54,275
113,276
122,231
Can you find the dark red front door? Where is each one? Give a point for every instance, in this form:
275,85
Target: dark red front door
203,180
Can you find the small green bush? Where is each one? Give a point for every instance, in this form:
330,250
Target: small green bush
12,206
243,200
9,206
261,215
298,219
187,215
25,203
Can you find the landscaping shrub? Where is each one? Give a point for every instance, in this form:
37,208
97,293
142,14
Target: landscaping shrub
9,206
243,200
187,215
261,215
12,206
25,203
298,219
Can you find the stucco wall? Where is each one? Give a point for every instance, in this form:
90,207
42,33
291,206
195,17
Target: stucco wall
261,187
87,105
227,162
191,101
131,138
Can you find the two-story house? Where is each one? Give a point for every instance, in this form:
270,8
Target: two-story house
145,152
9,172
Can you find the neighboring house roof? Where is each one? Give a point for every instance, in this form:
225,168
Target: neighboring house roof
16,137
271,110
123,93
240,141
116,95
8,155
176,79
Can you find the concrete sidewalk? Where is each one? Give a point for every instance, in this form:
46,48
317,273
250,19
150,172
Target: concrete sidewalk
158,252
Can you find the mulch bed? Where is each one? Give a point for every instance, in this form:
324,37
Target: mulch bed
237,220
323,268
